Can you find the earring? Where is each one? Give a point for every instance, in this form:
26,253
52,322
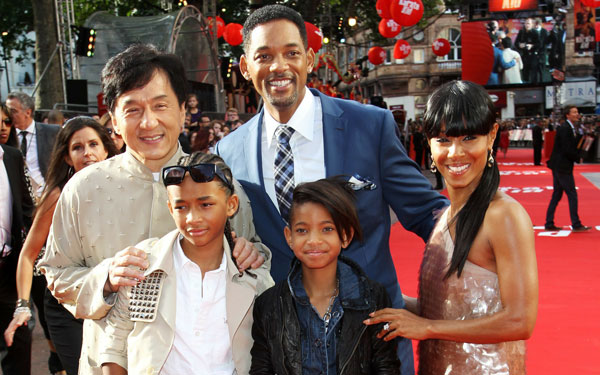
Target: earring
432,167
70,172
490,161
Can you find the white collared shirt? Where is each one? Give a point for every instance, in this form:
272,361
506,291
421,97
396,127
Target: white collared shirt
201,344
306,142
32,159
5,205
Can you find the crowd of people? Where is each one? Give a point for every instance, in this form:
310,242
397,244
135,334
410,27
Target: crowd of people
170,242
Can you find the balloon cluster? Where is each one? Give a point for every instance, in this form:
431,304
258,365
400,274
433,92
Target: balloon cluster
232,32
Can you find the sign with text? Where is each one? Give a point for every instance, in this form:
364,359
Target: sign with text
512,5
581,94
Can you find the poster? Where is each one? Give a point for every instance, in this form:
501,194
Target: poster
584,27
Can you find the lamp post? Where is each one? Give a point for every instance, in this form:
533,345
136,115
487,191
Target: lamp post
5,33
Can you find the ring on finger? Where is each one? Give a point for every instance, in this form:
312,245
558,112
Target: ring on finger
386,326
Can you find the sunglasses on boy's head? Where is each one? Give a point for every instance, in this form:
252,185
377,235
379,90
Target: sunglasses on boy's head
204,172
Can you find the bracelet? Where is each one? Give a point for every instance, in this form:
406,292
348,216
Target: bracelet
19,310
21,302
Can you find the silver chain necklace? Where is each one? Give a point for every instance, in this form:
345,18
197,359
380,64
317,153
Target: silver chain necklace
327,316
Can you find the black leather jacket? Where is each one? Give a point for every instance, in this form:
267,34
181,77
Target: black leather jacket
277,341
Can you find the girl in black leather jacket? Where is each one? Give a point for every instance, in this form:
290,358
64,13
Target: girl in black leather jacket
312,322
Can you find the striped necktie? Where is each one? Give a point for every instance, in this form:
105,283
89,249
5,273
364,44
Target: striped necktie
284,170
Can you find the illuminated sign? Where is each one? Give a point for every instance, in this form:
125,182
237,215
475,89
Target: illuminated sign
512,5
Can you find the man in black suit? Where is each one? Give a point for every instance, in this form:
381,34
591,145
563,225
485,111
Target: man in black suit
528,45
16,208
35,138
537,135
564,154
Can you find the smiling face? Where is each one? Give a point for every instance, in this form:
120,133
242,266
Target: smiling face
278,63
200,211
462,159
149,119
5,126
85,148
313,237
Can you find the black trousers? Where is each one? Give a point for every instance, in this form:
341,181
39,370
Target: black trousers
66,333
537,154
16,359
563,182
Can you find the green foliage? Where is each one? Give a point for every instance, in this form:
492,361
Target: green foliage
16,20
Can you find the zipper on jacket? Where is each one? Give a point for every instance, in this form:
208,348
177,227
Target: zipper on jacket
353,350
281,337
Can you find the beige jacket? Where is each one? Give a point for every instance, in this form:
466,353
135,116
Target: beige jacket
103,209
142,347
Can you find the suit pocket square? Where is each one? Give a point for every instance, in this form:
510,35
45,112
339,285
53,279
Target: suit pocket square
357,182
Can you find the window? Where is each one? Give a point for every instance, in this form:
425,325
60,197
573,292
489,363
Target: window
418,56
453,36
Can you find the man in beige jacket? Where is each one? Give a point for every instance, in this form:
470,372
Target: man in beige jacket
117,203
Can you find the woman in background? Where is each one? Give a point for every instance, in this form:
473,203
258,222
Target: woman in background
81,142
8,134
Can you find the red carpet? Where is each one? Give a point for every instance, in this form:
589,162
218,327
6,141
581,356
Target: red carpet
566,339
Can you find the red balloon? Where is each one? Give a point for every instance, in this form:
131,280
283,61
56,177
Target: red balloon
407,12
477,52
401,49
220,26
233,34
376,55
383,8
315,36
389,28
441,47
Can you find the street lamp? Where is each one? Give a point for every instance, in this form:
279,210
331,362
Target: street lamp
352,21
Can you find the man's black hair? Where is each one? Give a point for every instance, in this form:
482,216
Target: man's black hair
134,67
270,13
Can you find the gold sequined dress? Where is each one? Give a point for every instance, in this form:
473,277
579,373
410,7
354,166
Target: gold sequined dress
475,294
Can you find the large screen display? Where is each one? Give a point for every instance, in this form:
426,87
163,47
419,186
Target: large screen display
515,51
512,5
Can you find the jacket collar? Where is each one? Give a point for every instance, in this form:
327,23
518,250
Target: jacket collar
353,294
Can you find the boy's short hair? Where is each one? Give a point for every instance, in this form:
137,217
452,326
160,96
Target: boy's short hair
336,195
200,157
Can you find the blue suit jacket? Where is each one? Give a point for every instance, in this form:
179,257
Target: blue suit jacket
358,139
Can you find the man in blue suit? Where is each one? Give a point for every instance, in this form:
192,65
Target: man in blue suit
328,137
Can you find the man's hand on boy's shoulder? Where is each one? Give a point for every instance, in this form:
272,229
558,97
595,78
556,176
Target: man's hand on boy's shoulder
125,269
246,254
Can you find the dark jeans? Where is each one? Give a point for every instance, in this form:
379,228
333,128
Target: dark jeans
16,359
563,182
66,333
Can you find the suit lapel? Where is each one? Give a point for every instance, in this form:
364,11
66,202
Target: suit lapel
164,261
334,135
240,294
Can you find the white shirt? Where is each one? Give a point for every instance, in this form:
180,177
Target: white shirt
32,159
306,142
5,206
201,344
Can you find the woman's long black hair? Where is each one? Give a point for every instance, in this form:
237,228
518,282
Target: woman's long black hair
455,109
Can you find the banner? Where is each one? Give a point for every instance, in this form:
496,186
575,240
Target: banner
511,5
585,30
581,94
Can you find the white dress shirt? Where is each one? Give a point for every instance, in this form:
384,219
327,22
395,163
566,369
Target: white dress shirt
37,180
5,208
201,344
306,143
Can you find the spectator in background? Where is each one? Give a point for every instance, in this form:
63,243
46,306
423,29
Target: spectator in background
231,116
16,210
117,139
512,74
236,124
217,126
537,135
56,117
80,143
564,155
205,121
35,139
8,133
193,109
